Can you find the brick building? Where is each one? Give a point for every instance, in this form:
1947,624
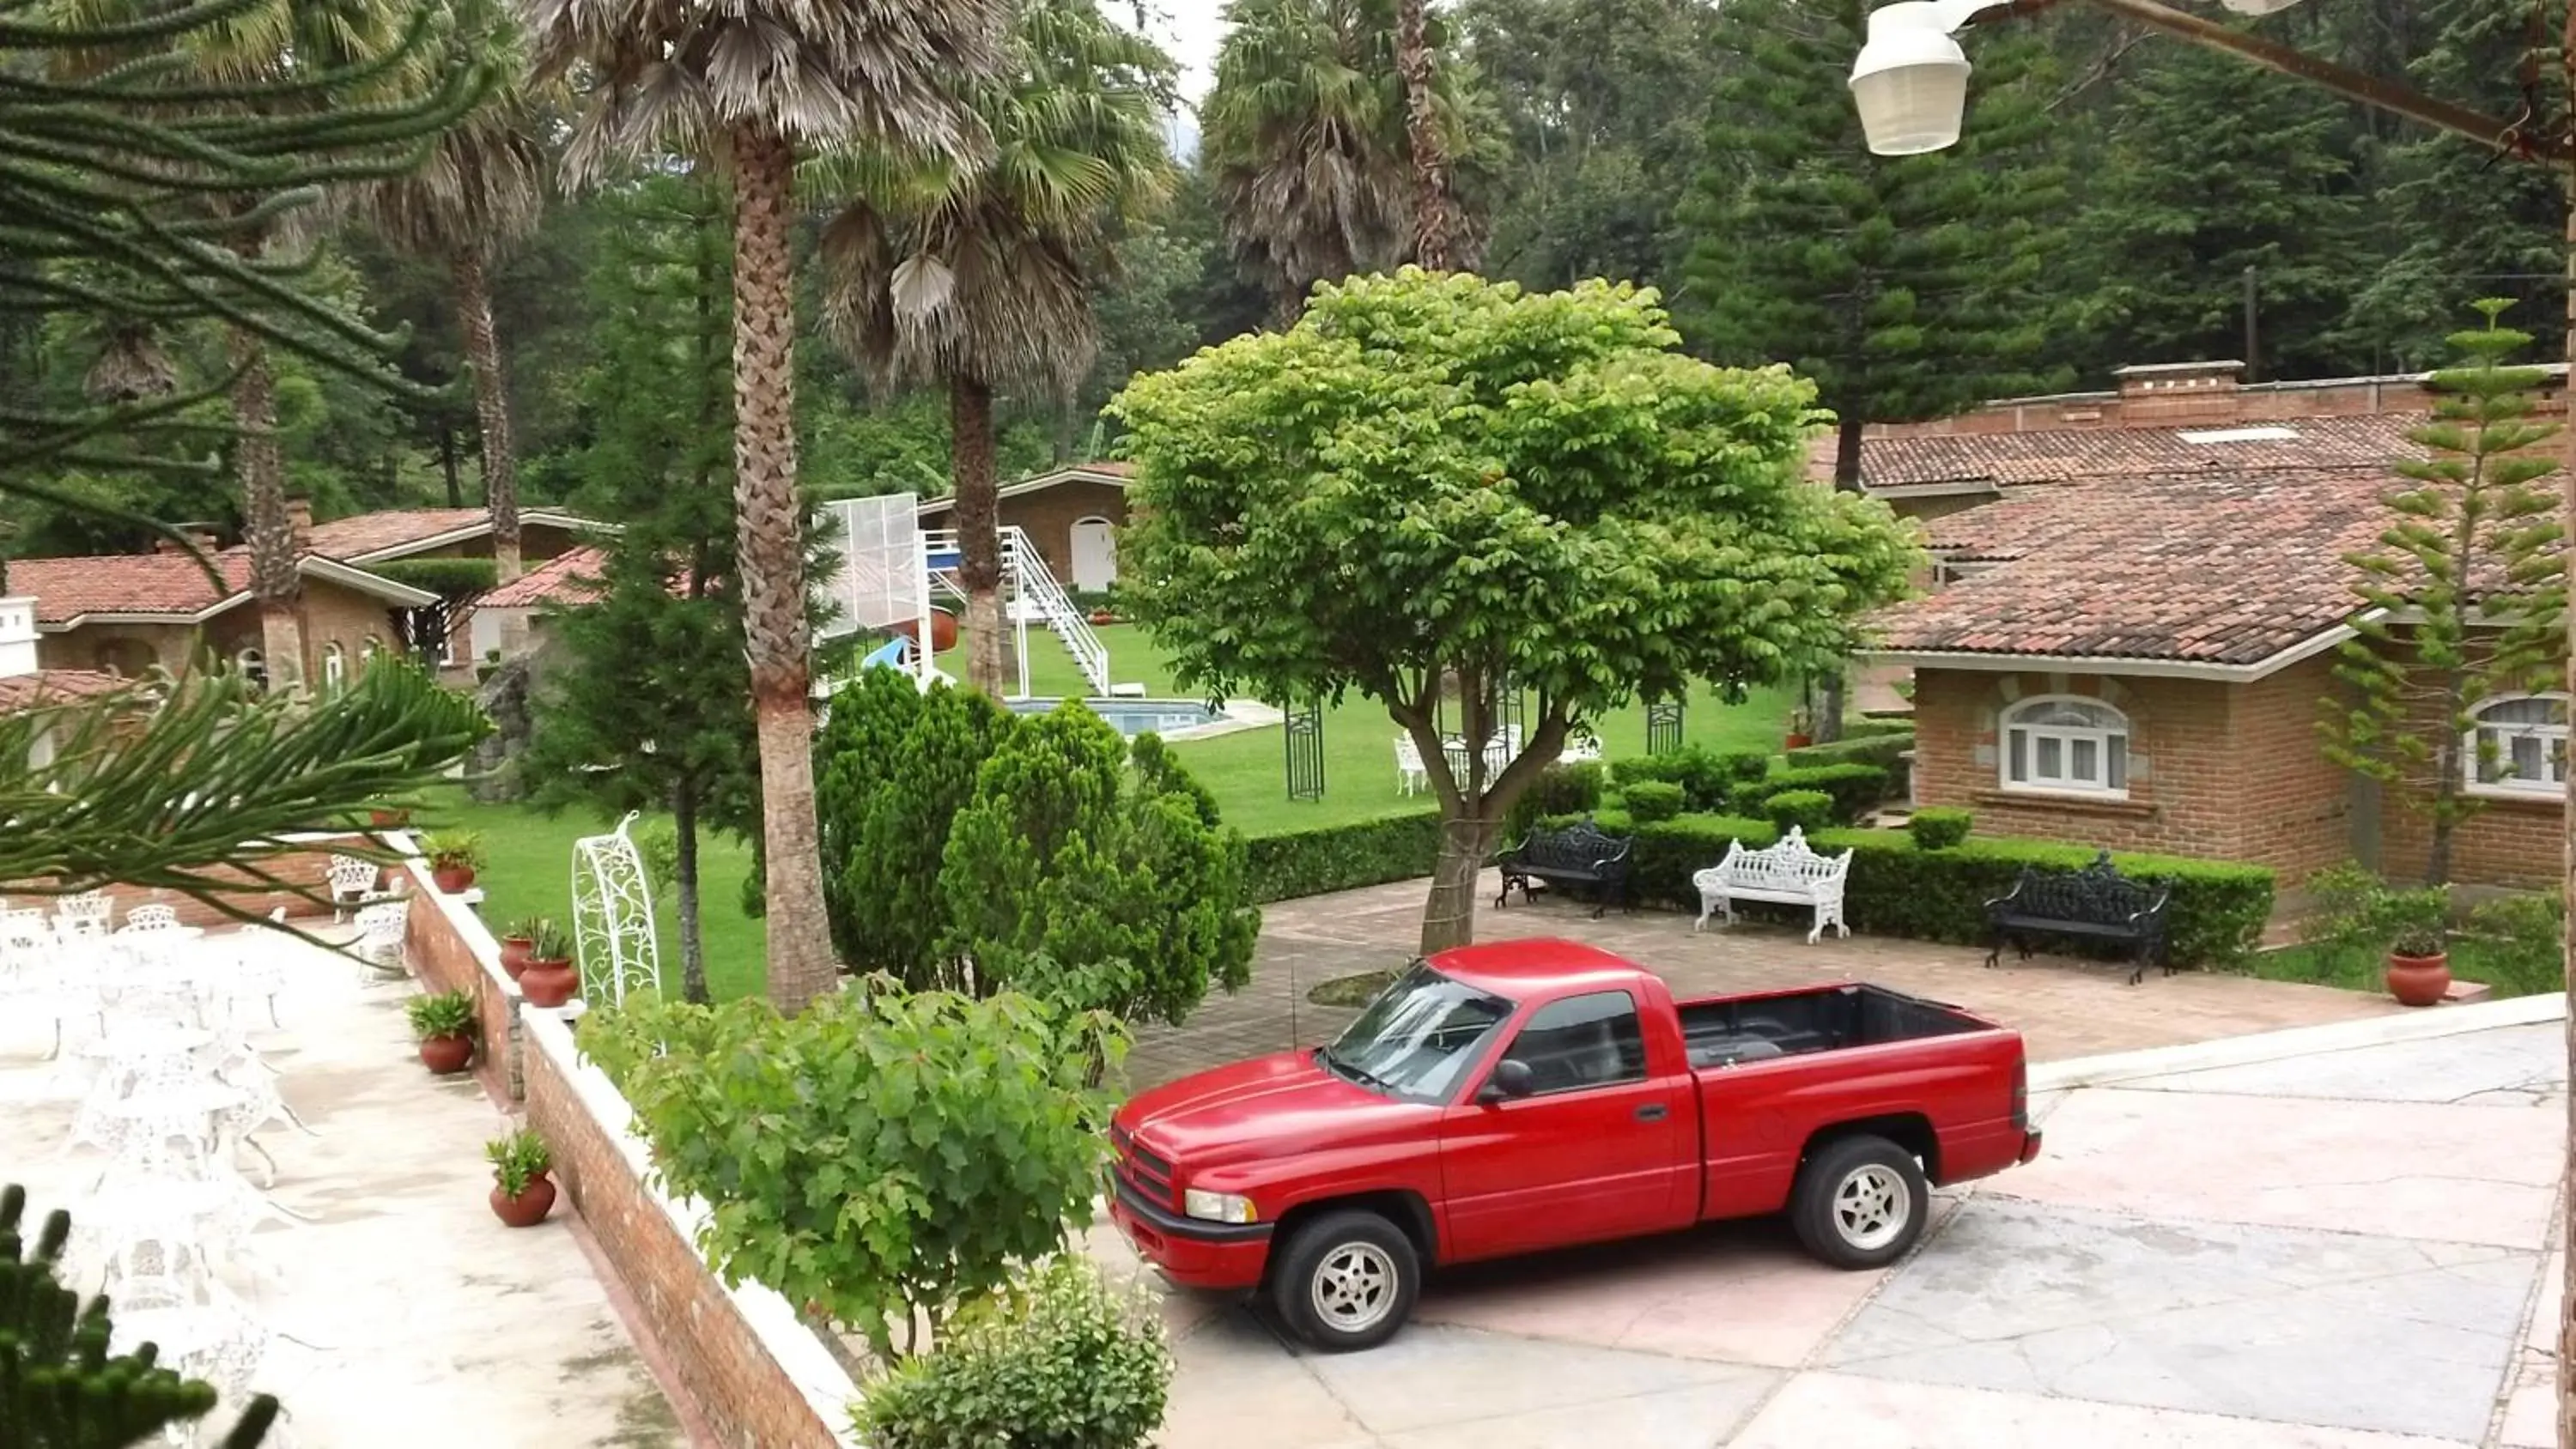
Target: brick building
2132,636
1071,515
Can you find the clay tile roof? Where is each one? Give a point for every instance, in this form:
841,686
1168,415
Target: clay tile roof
141,583
2024,459
54,686
570,577
365,533
2229,568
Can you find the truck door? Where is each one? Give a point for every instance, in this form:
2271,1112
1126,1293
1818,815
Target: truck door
1597,1148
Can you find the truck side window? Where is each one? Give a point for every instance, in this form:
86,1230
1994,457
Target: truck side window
1582,1041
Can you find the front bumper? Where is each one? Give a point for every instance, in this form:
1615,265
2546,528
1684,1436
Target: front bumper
1191,1253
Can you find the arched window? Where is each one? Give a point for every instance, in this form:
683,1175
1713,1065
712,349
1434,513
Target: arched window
368,651
2517,745
253,665
335,666
2065,742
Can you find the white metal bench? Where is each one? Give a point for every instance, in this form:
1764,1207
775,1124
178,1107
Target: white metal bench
1787,873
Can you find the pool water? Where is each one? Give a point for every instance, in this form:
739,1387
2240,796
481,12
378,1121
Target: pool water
1133,717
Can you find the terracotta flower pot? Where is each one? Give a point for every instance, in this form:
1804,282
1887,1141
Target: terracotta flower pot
445,1056
1796,741
453,879
388,819
943,630
550,983
530,1207
2419,980
1103,616
515,954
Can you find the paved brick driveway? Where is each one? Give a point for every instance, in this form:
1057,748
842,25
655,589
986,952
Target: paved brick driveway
2065,1008
2341,1251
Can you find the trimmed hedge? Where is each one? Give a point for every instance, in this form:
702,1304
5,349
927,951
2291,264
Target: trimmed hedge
1706,779
1341,857
1859,728
1652,800
1807,810
1669,852
1856,790
1882,750
1938,827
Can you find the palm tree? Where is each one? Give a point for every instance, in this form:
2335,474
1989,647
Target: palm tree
755,80
263,59
481,188
980,276
1432,232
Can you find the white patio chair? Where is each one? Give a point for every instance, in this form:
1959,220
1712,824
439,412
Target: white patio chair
379,946
35,979
353,882
1579,748
255,968
1410,777
152,917
88,913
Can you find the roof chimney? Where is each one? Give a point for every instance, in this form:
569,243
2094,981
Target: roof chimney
17,636
299,521
2163,393
199,536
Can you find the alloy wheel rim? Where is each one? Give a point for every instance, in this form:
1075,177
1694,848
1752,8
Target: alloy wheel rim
1872,1205
1354,1287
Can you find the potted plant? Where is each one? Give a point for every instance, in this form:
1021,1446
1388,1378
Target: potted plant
444,1023
550,979
1799,725
454,856
2419,961
518,944
522,1194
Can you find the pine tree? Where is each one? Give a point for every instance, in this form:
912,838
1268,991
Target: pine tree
652,681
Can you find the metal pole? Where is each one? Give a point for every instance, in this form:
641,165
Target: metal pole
2567,827
2253,328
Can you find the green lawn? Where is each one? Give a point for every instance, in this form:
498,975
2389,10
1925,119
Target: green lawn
529,871
2495,963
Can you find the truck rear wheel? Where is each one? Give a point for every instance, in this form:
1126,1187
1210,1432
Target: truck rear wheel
1347,1281
1860,1202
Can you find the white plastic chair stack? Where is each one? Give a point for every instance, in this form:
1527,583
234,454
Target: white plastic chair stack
145,919
86,914
379,946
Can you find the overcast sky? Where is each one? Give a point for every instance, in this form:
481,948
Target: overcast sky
1189,30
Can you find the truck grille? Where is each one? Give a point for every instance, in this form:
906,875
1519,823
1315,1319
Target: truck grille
1142,1170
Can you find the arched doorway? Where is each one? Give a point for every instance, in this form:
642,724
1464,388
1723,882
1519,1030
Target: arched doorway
1095,554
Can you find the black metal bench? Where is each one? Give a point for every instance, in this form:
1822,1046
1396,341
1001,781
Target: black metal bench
2097,903
1579,855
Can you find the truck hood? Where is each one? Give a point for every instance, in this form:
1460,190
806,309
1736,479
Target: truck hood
1266,1107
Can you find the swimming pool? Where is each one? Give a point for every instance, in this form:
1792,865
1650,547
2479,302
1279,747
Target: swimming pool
1133,717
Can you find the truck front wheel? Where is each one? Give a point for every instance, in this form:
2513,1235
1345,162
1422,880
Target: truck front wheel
1860,1202
1347,1281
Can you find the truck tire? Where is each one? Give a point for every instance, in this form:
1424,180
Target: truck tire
1347,1281
1860,1202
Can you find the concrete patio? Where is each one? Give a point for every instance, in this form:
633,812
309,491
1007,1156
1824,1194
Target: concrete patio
2349,1250
2064,1008
405,1313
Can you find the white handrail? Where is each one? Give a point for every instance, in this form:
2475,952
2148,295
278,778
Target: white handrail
1036,585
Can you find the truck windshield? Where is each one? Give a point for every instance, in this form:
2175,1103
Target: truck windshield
1417,1037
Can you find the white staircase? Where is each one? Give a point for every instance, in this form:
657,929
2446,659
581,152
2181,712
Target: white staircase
1033,594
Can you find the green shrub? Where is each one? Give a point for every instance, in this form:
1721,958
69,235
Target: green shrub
1887,749
1863,728
1057,1362
1668,852
1939,827
1341,857
1652,800
1740,766
1808,810
2521,935
1563,788
1672,769
1856,789
1897,889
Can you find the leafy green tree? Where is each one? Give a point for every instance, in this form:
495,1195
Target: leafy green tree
1440,488
1928,297
2473,533
1090,887
59,1386
978,276
893,767
2212,168
908,1150
759,81
651,681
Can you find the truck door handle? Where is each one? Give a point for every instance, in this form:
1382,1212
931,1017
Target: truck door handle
1652,1112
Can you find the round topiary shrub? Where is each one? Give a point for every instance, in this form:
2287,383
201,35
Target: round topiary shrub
1939,827
1808,810
1058,1359
1652,800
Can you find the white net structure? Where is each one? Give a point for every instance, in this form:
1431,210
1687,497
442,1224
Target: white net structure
612,915
882,581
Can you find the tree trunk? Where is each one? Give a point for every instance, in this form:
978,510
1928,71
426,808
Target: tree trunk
1434,236
447,462
979,529
1449,916
769,524
265,525
491,409
1827,726
2567,828
684,884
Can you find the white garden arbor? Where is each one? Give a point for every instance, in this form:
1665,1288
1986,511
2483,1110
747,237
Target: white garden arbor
612,915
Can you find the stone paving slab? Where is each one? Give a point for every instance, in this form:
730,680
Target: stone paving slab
1835,1411
2295,1326
2513,1066
1473,1388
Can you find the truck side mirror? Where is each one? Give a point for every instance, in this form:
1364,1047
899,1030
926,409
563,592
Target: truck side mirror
1510,1079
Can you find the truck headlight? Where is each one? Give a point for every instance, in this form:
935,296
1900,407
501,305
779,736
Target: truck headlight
1218,1207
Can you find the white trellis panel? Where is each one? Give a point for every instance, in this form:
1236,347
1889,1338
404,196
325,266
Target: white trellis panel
612,915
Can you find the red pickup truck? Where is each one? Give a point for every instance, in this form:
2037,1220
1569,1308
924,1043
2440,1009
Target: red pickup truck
1526,1095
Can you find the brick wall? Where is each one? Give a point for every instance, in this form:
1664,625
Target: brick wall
1047,516
129,649
2512,841
450,949
735,1361
302,865
2139,408
2225,771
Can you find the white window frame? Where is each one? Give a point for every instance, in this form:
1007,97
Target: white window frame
2517,788
335,666
2067,736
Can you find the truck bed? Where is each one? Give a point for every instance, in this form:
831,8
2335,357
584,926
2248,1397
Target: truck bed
1725,1031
